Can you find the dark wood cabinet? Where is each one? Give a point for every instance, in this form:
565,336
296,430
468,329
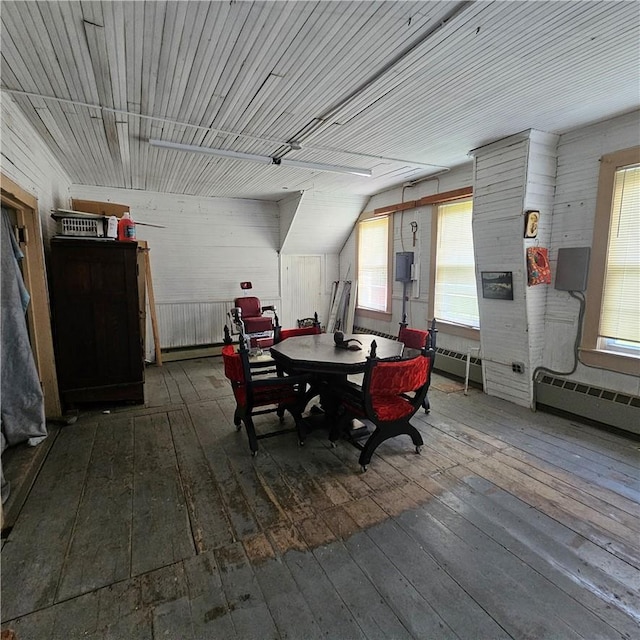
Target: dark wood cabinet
96,320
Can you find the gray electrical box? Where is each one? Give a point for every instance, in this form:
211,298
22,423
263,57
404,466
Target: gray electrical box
572,269
404,260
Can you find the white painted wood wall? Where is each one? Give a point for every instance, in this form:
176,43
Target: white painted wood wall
579,154
30,164
511,176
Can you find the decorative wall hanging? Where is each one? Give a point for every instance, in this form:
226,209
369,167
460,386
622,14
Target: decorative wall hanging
538,270
531,219
497,285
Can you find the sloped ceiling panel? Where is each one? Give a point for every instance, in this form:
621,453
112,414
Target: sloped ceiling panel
322,223
400,88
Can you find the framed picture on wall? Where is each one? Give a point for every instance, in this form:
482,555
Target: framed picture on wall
497,285
531,219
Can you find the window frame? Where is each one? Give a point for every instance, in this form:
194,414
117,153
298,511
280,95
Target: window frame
372,313
590,352
446,326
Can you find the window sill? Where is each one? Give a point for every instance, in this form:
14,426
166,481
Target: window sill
610,361
375,315
458,330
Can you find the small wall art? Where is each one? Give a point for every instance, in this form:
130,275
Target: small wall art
531,219
497,285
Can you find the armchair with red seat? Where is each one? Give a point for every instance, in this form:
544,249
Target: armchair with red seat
248,319
418,339
262,396
391,394
308,329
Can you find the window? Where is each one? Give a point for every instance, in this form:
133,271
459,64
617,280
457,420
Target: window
373,264
456,297
612,322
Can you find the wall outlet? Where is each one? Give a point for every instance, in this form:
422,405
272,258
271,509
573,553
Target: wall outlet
517,367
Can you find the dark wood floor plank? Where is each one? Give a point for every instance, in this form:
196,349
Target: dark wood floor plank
48,515
161,531
511,524
540,580
263,503
550,470
294,506
593,525
104,513
511,601
210,615
518,430
187,391
155,387
249,612
287,606
599,499
173,620
209,522
21,464
412,609
574,433
329,610
461,613
363,599
597,590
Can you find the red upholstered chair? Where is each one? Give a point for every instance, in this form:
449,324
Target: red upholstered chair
308,329
266,395
248,319
418,339
392,392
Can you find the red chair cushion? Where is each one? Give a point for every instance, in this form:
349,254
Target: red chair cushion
391,408
250,306
413,338
256,325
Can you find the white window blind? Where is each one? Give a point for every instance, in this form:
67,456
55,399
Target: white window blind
373,264
456,298
620,317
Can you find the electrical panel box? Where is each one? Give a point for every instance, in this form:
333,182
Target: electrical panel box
572,269
404,261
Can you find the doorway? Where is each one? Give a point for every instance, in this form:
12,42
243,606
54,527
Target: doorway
23,208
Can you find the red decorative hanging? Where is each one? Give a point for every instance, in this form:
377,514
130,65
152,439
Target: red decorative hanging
538,269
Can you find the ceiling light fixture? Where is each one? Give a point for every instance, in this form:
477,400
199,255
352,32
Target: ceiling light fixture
236,155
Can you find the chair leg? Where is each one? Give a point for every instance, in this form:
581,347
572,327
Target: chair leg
300,426
380,435
251,434
426,405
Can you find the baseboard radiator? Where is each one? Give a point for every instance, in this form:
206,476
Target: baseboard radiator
594,403
191,324
448,362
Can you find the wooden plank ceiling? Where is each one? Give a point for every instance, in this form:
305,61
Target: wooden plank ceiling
400,88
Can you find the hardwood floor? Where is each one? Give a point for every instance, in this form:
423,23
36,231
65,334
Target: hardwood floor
155,522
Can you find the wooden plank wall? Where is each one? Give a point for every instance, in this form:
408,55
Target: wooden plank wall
579,152
539,193
30,164
498,199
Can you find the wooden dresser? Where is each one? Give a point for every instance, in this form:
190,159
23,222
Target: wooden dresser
96,320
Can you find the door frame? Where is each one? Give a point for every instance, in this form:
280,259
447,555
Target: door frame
35,277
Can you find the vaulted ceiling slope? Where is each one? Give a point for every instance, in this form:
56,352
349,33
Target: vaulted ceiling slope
401,88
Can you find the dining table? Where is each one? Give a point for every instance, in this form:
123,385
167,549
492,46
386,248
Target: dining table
330,365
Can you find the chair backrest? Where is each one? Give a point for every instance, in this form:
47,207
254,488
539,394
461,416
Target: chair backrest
395,389
249,305
413,338
283,334
233,367
417,338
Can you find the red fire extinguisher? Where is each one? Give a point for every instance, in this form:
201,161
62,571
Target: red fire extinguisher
126,228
